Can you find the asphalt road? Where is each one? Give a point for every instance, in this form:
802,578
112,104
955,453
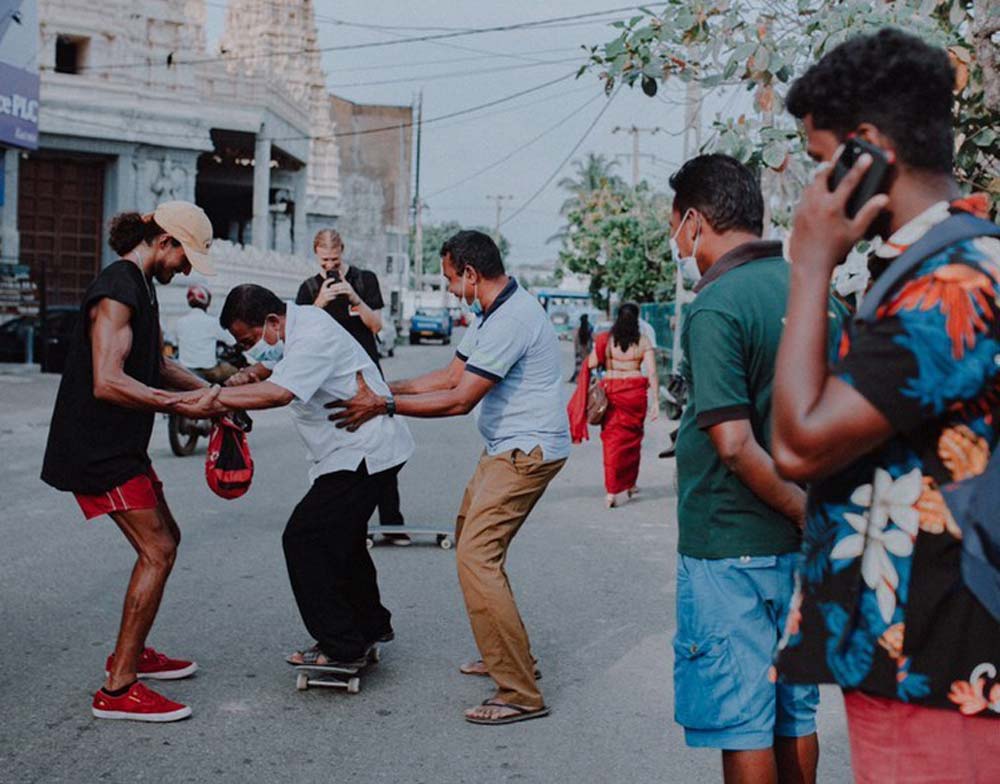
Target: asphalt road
595,588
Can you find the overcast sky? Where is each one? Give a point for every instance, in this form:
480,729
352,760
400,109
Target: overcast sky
470,70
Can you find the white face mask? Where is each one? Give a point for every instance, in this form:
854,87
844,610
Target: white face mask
475,307
268,354
687,265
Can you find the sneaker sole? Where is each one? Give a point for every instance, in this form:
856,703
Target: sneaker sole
168,675
177,715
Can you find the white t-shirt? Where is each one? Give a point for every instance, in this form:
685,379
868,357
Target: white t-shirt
197,334
320,364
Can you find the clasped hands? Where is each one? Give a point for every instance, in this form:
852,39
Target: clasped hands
200,403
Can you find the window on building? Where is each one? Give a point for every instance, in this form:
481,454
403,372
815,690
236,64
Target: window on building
71,52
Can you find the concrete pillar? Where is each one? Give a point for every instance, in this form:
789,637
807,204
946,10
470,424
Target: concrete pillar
10,238
303,243
261,191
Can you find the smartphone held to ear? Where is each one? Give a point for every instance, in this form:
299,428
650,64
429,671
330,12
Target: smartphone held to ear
875,180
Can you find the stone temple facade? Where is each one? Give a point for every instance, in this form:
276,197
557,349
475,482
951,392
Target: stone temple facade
135,110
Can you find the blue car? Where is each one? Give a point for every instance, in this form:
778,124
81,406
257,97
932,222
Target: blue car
433,323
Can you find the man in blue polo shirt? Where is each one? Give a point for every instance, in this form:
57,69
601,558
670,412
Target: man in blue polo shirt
509,360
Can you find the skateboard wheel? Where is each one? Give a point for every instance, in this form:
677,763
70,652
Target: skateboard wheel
369,543
302,681
354,685
444,542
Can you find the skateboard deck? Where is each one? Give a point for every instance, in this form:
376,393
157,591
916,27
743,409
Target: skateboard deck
442,536
335,677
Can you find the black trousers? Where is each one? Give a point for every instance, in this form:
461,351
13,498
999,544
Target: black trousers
389,512
332,575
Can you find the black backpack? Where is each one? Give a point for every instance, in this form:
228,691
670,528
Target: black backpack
975,502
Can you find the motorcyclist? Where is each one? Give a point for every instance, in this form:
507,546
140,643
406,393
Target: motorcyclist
197,337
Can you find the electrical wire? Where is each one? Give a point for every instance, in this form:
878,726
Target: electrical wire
517,149
564,161
438,118
549,23
447,61
336,134
454,74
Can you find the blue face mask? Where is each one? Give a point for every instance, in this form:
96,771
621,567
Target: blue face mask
268,354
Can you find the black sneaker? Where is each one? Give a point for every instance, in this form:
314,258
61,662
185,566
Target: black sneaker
386,635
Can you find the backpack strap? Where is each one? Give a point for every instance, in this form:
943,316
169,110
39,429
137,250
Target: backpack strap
953,229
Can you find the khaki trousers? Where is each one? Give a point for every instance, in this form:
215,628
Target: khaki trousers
502,492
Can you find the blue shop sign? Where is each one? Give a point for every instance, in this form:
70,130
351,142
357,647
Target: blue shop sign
19,73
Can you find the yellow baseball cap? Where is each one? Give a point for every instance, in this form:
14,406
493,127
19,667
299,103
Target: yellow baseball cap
189,225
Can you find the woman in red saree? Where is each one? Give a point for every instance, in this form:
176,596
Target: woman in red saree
629,363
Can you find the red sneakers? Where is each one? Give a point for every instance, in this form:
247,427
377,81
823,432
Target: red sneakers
138,704
153,664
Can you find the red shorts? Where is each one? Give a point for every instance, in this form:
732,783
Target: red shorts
144,491
893,742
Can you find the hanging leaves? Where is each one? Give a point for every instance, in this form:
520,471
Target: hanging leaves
719,42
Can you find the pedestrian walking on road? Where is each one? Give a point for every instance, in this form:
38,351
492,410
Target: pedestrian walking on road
508,364
627,359
315,361
889,435
739,522
101,425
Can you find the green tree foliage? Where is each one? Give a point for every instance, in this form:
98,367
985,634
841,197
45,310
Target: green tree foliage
762,47
620,237
435,235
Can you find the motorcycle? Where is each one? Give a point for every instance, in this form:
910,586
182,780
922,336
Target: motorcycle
184,432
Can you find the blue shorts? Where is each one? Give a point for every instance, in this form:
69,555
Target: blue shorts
730,615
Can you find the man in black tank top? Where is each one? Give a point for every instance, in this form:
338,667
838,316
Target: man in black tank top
97,446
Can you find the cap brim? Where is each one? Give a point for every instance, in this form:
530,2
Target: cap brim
200,261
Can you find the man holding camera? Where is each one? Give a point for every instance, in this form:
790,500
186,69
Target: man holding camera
353,298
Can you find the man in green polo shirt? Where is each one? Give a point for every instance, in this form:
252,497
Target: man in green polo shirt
740,523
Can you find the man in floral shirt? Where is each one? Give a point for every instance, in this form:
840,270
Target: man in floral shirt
908,405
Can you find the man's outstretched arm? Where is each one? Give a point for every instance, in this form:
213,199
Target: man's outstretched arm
437,380
366,405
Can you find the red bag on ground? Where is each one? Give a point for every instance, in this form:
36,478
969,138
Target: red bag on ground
228,466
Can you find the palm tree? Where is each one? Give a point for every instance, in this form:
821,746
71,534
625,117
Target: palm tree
592,173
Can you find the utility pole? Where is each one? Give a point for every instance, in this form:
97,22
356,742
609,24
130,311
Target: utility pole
499,199
418,225
635,131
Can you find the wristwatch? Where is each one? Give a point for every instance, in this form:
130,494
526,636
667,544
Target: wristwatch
390,405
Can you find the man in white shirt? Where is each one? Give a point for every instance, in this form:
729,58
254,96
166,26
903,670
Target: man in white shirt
317,361
197,337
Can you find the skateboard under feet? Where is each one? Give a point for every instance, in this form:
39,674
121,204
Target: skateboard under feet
441,536
334,677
